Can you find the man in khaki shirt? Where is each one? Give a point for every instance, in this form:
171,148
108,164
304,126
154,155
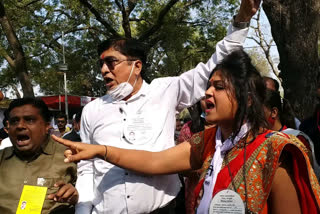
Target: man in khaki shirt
61,121
34,160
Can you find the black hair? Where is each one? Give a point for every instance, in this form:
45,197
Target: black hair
247,84
61,115
275,82
35,102
78,115
285,111
132,48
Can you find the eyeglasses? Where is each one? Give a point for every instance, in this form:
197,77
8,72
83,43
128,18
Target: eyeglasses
112,62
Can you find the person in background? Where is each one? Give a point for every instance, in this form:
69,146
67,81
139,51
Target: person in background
74,134
278,111
5,140
271,83
4,130
197,124
280,117
263,171
34,161
61,121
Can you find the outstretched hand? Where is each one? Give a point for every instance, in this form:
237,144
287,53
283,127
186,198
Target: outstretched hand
247,9
79,151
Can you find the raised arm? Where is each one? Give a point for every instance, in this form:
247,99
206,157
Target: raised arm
192,84
170,161
247,9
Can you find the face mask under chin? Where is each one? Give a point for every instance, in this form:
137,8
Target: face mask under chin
123,90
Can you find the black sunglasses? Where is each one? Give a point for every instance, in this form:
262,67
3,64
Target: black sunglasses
112,62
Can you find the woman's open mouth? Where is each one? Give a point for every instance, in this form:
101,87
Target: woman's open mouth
209,106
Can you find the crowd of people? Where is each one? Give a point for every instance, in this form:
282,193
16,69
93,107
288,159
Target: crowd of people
241,152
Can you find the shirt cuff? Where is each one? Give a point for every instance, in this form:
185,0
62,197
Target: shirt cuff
236,34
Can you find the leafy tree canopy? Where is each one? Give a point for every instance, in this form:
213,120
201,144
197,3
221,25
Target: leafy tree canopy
178,35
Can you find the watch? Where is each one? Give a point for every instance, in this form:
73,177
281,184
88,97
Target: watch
240,25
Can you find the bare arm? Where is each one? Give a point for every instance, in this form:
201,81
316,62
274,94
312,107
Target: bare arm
170,161
284,197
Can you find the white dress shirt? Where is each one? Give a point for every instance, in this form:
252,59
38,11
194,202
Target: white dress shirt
145,122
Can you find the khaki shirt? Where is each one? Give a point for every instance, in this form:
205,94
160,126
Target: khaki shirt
46,169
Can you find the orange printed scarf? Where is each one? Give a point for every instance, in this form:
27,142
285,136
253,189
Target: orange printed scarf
262,160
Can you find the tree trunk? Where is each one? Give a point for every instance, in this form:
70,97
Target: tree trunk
18,64
295,29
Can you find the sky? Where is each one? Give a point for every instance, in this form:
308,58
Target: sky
266,30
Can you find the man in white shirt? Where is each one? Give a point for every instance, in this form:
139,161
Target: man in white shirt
5,142
137,115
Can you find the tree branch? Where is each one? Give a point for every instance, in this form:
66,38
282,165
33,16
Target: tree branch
139,20
99,18
159,21
265,46
28,4
125,18
191,3
72,30
131,5
120,6
62,12
19,62
254,39
197,23
5,55
10,34
16,91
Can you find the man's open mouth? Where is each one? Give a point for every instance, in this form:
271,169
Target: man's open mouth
22,139
107,80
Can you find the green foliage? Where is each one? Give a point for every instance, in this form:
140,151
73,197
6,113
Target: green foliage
187,35
260,62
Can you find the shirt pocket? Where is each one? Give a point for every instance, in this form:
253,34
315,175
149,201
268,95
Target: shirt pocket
49,183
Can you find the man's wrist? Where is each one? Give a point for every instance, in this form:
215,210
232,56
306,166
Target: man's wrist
240,22
242,17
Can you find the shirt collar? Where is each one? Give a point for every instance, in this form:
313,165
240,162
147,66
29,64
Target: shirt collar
228,144
142,91
47,148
